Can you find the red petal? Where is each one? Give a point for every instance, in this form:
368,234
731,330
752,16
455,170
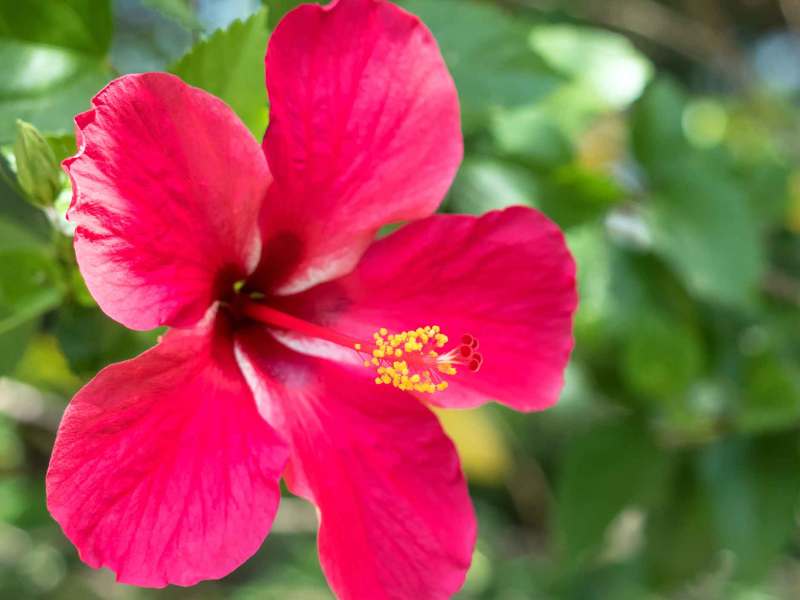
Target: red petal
163,470
167,186
507,278
396,519
364,130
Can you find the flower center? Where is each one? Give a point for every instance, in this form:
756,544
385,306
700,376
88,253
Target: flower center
415,360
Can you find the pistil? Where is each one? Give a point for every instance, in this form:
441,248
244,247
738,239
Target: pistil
413,360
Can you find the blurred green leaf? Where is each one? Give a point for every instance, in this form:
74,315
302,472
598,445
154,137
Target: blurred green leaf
80,25
44,365
755,487
702,225
54,57
531,134
17,216
38,172
488,54
590,248
662,356
488,184
680,538
606,65
768,187
90,340
13,343
615,466
770,397
572,195
29,287
230,65
657,125
699,215
12,236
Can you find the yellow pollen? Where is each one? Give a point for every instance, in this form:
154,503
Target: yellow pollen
408,360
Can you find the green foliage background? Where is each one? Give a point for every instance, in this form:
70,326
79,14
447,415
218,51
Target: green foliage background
661,135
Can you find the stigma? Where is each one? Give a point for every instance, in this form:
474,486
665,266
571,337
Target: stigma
417,360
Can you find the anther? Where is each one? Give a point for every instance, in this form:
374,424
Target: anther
411,360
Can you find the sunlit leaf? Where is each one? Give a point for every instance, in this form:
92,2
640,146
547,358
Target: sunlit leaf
605,64
230,65
531,134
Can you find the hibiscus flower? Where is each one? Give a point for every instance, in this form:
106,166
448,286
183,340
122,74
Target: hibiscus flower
299,346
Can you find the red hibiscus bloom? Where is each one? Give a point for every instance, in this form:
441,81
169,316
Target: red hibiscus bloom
285,313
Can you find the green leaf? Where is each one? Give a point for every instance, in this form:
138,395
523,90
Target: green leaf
13,343
615,466
230,65
606,65
662,356
680,539
29,287
12,236
702,226
572,194
487,184
17,216
488,54
80,25
38,172
44,366
590,248
532,135
90,340
55,59
657,125
770,396
754,486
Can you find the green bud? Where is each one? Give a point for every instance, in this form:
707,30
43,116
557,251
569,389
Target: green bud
38,171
